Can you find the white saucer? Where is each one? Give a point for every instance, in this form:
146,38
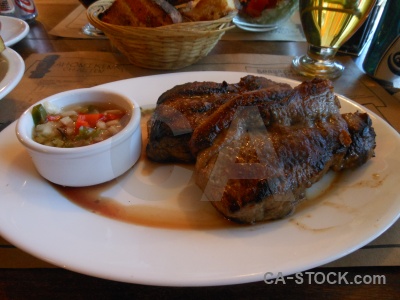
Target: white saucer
12,69
13,30
253,26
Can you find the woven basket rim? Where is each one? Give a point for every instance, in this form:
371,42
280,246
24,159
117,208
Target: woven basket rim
179,29
168,47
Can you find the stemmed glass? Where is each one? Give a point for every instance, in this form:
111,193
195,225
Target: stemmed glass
327,24
88,28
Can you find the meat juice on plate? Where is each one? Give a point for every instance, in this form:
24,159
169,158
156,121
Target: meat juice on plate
186,211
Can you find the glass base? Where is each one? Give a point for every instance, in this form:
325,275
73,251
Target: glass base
90,30
307,66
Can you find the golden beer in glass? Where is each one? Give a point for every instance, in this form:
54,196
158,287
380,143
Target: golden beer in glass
327,24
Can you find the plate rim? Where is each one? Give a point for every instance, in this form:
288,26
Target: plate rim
14,73
237,20
221,281
24,32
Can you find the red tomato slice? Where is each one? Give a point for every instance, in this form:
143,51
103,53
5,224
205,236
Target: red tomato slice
110,117
87,120
255,7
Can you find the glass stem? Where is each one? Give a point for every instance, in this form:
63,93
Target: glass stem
321,53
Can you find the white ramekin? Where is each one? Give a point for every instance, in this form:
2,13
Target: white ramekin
87,165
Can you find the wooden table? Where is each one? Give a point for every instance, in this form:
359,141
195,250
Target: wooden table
43,283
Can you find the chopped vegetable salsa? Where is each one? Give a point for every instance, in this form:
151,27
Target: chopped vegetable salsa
77,126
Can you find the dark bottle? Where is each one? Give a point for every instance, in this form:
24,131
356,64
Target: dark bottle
382,61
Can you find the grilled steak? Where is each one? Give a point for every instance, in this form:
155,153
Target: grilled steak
257,162
363,139
304,104
181,109
258,145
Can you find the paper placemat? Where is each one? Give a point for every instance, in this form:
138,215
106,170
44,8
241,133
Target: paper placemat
290,31
71,26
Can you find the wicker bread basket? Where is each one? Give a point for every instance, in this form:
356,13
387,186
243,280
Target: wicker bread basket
167,47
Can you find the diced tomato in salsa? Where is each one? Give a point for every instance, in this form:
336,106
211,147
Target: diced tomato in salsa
254,7
87,120
81,126
112,116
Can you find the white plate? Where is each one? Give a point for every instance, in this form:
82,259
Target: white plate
35,217
13,30
12,68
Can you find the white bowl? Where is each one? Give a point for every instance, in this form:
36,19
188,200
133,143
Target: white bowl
86,165
269,19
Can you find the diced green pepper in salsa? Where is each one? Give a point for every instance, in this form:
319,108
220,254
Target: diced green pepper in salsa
39,114
77,126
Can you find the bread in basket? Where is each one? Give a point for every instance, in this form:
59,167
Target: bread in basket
166,47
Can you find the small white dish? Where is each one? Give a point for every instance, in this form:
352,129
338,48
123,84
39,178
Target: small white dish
269,18
12,68
13,30
86,165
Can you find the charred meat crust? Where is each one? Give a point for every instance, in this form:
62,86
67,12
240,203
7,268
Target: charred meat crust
258,145
278,157
273,179
276,105
363,137
183,108
209,88
196,89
